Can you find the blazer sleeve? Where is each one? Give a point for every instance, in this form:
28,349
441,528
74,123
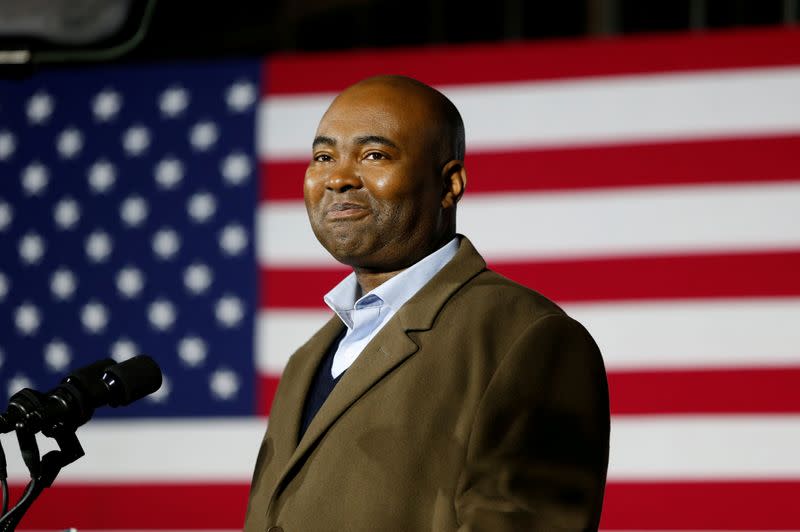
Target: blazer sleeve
538,450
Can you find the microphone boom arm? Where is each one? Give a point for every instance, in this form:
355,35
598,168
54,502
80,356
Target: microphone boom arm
43,471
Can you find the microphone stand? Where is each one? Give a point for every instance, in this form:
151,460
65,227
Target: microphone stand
43,470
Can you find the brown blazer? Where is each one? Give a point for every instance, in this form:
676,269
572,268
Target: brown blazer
480,406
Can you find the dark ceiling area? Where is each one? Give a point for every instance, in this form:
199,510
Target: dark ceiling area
242,27
172,30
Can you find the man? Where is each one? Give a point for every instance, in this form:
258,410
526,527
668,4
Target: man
441,396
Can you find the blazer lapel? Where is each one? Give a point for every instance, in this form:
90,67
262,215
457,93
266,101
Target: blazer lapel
390,347
308,358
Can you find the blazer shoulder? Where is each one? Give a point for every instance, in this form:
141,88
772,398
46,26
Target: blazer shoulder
494,291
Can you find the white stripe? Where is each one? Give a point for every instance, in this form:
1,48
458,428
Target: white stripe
705,447
652,220
583,111
642,448
280,333
726,333
212,449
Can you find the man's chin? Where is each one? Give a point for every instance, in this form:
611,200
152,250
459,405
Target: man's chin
347,250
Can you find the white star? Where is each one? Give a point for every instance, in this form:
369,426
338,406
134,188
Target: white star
69,143
57,356
229,311
133,210
240,96
136,140
192,351
169,173
66,213
31,248
162,394
3,286
233,239
161,314
98,246
197,278
201,206
35,178
6,215
39,108
166,243
224,384
203,135
123,349
17,383
63,283
236,168
27,319
8,143
130,282
102,176
106,104
173,101
94,317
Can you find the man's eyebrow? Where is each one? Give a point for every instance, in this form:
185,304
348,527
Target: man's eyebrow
375,139
321,139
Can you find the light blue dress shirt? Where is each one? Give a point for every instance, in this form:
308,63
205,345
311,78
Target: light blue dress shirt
367,315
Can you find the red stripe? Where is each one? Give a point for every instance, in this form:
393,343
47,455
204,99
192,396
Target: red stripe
767,505
705,391
742,505
452,65
173,506
645,164
268,385
768,274
702,391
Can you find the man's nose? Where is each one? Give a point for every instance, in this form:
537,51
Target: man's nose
342,178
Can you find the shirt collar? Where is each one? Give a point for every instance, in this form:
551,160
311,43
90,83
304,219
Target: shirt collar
394,292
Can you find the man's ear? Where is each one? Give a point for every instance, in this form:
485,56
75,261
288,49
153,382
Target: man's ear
454,181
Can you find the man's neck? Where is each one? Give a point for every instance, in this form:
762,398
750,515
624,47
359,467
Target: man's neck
369,279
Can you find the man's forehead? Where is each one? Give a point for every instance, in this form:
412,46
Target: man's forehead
377,109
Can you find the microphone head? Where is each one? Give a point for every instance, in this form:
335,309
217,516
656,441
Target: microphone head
131,380
88,380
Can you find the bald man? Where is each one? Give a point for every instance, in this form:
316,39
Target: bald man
440,396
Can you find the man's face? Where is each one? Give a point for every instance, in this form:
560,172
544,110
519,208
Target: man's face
373,189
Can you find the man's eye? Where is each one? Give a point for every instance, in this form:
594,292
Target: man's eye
375,156
323,158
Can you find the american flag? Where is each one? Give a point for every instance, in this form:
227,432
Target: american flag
650,185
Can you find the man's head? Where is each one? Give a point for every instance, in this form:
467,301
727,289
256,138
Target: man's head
386,173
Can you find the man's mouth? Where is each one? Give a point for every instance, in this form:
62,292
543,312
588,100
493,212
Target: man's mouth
346,209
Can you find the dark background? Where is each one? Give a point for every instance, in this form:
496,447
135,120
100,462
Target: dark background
209,29
250,27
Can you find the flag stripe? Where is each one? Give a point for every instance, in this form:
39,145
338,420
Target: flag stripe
145,506
725,391
606,279
631,222
701,391
161,450
757,505
692,334
646,108
618,165
686,447
739,506
645,447
467,64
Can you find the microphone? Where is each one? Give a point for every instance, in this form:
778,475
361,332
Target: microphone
73,402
